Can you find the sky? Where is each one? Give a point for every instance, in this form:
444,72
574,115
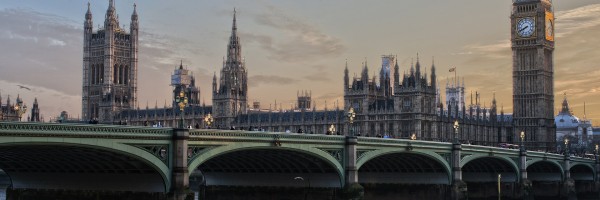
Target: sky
294,45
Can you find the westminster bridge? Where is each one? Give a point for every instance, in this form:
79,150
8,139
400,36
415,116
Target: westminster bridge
178,162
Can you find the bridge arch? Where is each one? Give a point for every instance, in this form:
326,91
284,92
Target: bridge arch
82,164
582,172
400,166
545,170
246,160
485,168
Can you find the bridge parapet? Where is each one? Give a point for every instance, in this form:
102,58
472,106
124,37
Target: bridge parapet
84,130
255,136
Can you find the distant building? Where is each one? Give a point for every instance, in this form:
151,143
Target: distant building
579,131
13,111
35,112
110,61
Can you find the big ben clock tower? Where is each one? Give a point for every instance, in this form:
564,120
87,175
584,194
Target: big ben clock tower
532,38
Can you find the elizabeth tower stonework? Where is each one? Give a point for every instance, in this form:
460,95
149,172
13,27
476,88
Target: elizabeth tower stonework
532,38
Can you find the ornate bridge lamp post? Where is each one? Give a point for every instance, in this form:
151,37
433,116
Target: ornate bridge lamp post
20,108
596,153
351,116
208,119
522,146
332,129
182,101
456,126
566,147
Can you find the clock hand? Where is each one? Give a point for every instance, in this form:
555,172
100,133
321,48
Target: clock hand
523,28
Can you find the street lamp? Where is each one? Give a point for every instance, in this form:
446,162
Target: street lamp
596,155
208,119
456,126
20,108
351,116
522,140
332,129
182,101
566,146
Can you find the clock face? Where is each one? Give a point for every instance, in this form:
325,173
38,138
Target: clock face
525,27
549,26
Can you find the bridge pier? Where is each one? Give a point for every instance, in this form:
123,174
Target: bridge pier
526,187
459,187
568,187
180,173
352,189
3,189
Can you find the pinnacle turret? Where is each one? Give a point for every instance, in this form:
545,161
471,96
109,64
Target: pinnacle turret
88,14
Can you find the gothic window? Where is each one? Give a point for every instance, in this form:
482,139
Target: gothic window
120,74
407,104
125,74
92,74
101,77
115,74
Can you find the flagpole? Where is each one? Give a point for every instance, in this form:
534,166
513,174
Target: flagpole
455,80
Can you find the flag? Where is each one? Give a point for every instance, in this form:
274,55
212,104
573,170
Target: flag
452,69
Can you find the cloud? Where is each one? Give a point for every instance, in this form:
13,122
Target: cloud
303,41
571,21
575,56
44,51
320,75
254,81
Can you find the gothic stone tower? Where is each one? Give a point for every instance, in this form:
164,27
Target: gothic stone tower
415,98
231,94
110,58
532,37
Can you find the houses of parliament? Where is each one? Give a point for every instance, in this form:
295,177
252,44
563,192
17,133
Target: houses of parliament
393,105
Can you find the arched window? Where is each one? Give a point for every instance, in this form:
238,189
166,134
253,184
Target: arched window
116,74
92,75
126,75
101,77
121,74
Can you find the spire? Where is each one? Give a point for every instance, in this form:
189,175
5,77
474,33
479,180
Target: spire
234,50
134,16
565,105
111,18
346,78
412,67
418,67
433,76
396,73
181,64
88,14
234,27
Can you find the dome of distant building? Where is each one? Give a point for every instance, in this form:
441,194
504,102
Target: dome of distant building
565,119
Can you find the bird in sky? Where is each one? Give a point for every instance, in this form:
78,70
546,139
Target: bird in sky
23,87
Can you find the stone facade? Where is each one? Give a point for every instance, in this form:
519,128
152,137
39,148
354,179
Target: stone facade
110,57
532,41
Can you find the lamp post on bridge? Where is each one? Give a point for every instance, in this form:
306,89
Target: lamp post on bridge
456,126
351,116
182,101
596,153
566,147
208,119
522,145
20,108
